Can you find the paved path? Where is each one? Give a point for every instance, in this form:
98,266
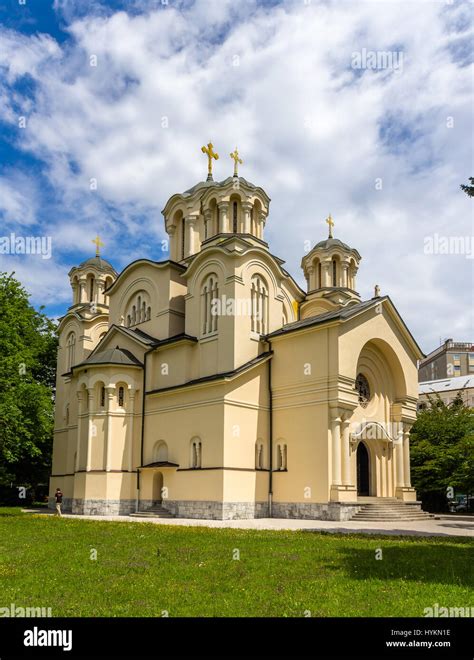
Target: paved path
444,526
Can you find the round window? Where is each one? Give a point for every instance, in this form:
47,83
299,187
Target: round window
363,389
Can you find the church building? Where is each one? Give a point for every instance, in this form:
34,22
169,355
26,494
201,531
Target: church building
210,385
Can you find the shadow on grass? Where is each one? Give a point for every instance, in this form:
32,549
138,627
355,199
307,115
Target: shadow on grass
439,563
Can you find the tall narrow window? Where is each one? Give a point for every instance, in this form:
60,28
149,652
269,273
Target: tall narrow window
196,454
334,272
259,304
183,238
281,457
102,397
71,350
234,217
320,279
210,292
91,290
121,397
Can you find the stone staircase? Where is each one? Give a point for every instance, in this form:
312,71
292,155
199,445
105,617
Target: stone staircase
154,512
389,509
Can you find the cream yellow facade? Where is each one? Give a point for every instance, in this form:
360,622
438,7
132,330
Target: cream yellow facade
211,385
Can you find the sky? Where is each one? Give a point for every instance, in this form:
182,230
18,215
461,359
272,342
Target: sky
354,108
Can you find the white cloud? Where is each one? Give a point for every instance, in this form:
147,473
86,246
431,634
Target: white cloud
276,81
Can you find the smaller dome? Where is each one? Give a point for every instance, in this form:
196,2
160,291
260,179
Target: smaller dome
99,263
331,243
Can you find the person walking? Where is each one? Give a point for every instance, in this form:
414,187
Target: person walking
59,500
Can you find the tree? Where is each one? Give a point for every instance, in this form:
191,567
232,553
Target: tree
469,189
442,451
28,346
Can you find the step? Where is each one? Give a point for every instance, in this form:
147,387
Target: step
152,513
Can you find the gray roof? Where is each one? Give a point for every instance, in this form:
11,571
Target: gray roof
136,333
332,243
98,262
217,184
343,314
446,384
112,356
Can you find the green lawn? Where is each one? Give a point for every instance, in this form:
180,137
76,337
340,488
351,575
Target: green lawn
143,569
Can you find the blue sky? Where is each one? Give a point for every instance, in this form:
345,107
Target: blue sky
383,149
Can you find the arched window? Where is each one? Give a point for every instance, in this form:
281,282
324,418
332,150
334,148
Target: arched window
363,389
210,292
138,308
259,305
160,452
334,273
102,397
183,238
234,218
196,453
71,350
320,277
91,289
281,461
121,397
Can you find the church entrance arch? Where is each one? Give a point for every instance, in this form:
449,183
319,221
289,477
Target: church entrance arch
157,487
363,468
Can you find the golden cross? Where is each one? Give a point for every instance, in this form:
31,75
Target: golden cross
235,157
98,245
209,150
330,222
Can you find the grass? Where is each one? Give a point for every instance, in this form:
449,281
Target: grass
143,569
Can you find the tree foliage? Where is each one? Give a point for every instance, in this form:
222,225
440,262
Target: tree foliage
28,347
442,451
469,189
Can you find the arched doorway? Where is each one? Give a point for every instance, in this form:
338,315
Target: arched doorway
157,487
363,487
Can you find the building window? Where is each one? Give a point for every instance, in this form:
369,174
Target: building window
196,454
91,290
183,238
259,305
334,273
471,361
320,278
281,462
102,397
210,292
121,397
140,311
363,389
71,350
234,217
67,415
